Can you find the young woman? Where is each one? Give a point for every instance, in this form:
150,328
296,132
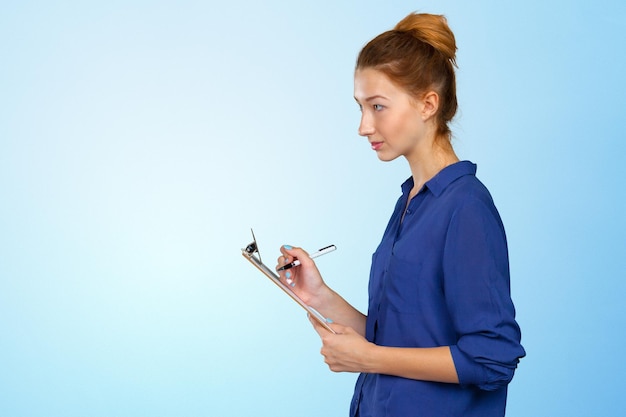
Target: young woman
440,336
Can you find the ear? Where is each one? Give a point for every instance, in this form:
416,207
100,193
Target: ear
430,105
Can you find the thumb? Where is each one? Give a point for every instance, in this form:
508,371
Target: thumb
323,331
296,253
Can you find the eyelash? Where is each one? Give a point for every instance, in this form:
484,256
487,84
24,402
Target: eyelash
376,107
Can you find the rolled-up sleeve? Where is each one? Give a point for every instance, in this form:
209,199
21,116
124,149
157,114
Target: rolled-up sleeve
478,297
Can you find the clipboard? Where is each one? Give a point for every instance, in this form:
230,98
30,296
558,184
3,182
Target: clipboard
251,253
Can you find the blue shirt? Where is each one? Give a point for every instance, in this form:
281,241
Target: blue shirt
440,277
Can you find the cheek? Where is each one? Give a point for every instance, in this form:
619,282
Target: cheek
410,124
399,126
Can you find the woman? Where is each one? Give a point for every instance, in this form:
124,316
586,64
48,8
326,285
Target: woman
440,337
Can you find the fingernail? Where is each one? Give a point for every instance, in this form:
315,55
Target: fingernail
288,275
293,283
328,320
288,247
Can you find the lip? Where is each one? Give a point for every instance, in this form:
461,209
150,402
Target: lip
376,145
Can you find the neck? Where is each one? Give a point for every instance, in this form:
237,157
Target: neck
427,162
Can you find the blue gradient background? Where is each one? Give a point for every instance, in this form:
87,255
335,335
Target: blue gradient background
140,141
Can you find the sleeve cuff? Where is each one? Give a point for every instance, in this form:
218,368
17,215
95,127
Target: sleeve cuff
469,373
472,373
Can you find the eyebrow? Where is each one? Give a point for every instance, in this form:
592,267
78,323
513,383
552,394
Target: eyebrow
372,98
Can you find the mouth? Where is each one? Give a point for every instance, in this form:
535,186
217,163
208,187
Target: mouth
376,145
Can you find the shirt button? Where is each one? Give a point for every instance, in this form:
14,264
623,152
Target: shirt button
408,212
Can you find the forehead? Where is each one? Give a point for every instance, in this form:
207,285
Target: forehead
369,82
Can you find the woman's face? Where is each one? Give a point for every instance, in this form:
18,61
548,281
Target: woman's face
390,118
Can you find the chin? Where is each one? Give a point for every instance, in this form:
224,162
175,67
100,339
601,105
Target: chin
386,158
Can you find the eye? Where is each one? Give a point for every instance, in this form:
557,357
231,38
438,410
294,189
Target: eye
377,107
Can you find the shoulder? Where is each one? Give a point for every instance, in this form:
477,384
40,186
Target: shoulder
469,202
468,190
458,182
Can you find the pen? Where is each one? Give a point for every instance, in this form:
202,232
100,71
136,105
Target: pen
320,252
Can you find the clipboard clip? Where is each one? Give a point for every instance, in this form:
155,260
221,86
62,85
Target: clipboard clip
249,253
253,248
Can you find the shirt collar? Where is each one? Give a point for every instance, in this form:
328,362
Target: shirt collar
443,178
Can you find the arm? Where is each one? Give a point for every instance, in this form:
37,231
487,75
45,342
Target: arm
348,351
478,300
307,283
476,284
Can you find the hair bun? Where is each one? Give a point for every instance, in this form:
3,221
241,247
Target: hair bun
431,29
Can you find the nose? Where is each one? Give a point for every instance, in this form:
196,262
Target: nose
366,127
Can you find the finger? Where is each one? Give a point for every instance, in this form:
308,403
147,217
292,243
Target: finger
296,253
290,253
321,329
317,326
285,249
285,256
290,278
282,261
286,277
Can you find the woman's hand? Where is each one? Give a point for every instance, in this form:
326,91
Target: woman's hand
348,351
304,280
345,351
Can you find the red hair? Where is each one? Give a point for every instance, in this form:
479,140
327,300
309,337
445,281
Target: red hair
418,55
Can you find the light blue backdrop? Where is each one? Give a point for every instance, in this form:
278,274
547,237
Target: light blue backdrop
140,141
